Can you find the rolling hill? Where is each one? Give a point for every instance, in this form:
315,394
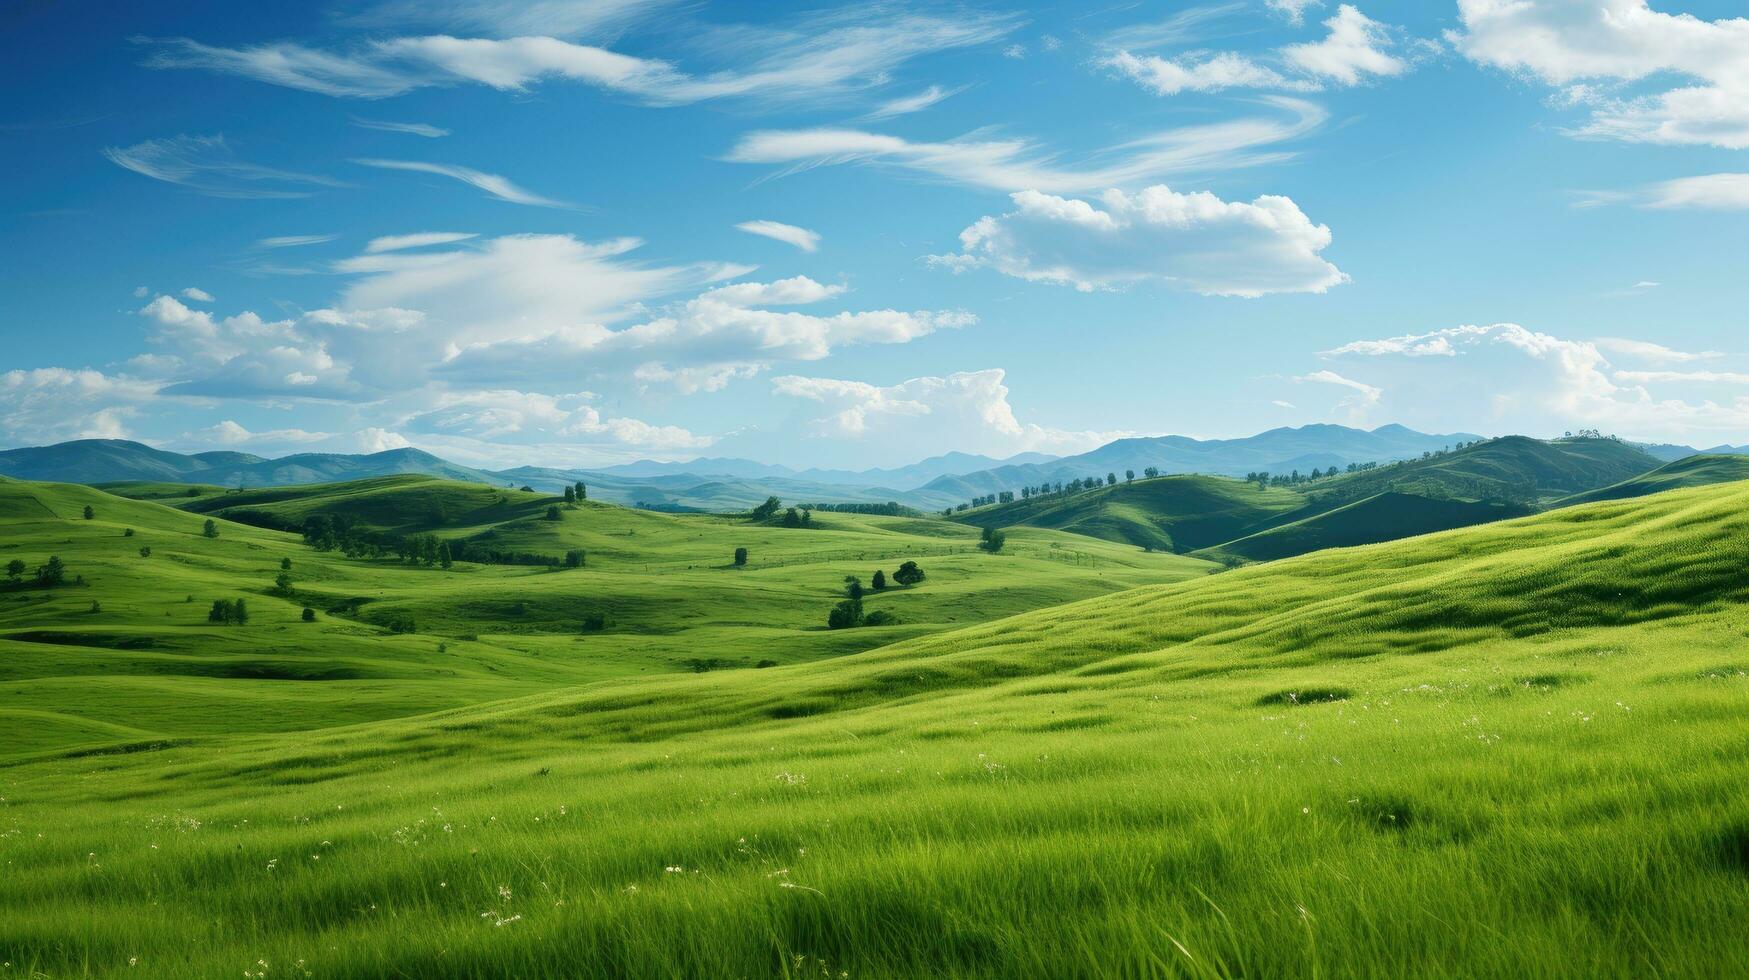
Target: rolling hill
1225,519
1277,450
116,460
1691,471
1508,750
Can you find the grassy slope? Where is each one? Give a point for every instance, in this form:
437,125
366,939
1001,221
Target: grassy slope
147,666
1509,750
1690,471
1386,516
1173,513
1223,518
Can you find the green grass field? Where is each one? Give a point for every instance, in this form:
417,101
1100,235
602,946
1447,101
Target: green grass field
1510,750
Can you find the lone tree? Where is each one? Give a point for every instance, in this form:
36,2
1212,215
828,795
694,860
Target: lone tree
740,557
309,615
444,558
853,587
15,569
553,513
282,583
582,491
53,573
1129,476
570,495
908,574
993,540
89,513
767,510
145,551
879,581
285,564
210,529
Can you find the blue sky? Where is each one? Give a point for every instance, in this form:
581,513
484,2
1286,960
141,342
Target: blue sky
587,231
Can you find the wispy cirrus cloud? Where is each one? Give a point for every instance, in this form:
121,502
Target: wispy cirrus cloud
293,241
207,165
1021,164
907,104
410,128
824,56
801,238
418,239
493,184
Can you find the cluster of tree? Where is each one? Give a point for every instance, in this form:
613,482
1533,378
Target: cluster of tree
1001,497
1264,478
425,549
767,510
575,492
795,518
888,509
792,517
993,540
331,532
229,612
48,575
849,614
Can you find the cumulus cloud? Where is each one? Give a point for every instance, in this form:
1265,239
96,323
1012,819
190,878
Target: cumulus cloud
1355,50
1645,350
1536,383
1293,10
197,294
721,334
51,404
494,185
1019,164
828,56
801,238
1613,59
1190,241
967,411
207,165
229,432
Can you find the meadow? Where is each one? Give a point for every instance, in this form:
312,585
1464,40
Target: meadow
1508,750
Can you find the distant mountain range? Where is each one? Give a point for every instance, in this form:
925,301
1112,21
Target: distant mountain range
733,484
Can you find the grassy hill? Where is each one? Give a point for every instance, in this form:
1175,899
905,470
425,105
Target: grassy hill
1386,516
1509,750
1226,519
1172,513
127,653
1691,471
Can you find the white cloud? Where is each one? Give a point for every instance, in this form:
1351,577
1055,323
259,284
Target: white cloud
293,241
1596,51
44,405
379,440
1645,350
494,185
691,380
828,56
1719,192
1191,241
1356,406
410,128
509,18
1278,403
512,417
197,294
1018,164
229,432
419,239
1353,50
723,331
206,165
1211,73
967,411
1293,10
801,238
1537,383
1015,51
908,104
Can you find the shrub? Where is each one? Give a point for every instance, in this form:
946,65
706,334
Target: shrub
880,617
127,532
594,622
845,615
879,581
145,551
210,529
576,558
89,513
553,513
908,574
740,557
993,540
309,615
